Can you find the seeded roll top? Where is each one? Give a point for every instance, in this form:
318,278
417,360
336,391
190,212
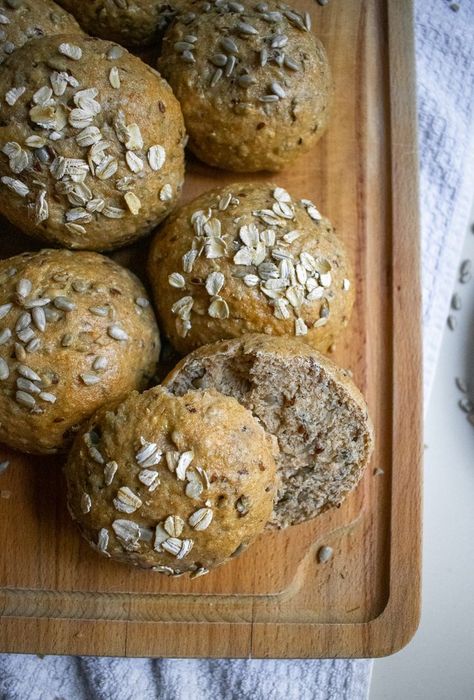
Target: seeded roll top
76,332
173,484
253,81
249,258
312,408
91,143
24,20
129,22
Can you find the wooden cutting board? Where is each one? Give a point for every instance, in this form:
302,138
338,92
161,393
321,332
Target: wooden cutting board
58,596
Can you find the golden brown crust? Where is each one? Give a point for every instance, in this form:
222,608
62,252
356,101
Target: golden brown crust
254,84
200,466
311,406
130,22
250,304
92,152
94,341
24,20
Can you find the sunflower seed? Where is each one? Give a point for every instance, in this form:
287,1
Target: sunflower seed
117,333
32,345
103,539
246,29
229,45
246,80
184,461
26,385
201,519
114,78
142,302
127,532
64,303
86,503
115,52
25,399
219,60
71,51
5,336
28,373
325,554
100,363
23,321
16,186
174,525
269,98
126,501
5,309
13,95
48,397
90,379
4,369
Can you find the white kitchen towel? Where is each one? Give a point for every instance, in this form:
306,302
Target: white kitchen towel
445,76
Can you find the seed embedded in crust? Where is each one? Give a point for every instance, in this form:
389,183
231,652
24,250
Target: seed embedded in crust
110,470
324,554
71,51
127,531
156,157
174,525
127,501
201,519
184,461
4,370
103,539
86,503
117,333
150,478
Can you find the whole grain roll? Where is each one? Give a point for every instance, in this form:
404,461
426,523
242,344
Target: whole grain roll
91,143
173,484
76,332
136,23
24,20
253,81
249,258
300,397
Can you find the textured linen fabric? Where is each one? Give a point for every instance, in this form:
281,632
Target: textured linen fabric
445,79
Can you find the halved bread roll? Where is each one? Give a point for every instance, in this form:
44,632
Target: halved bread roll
312,408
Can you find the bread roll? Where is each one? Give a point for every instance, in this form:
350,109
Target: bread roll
254,83
250,258
91,143
172,484
300,397
76,332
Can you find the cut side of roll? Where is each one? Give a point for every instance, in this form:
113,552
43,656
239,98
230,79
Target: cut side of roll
311,406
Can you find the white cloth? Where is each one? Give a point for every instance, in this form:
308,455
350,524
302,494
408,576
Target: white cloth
445,62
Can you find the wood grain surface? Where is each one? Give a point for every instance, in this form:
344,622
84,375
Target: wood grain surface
58,596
